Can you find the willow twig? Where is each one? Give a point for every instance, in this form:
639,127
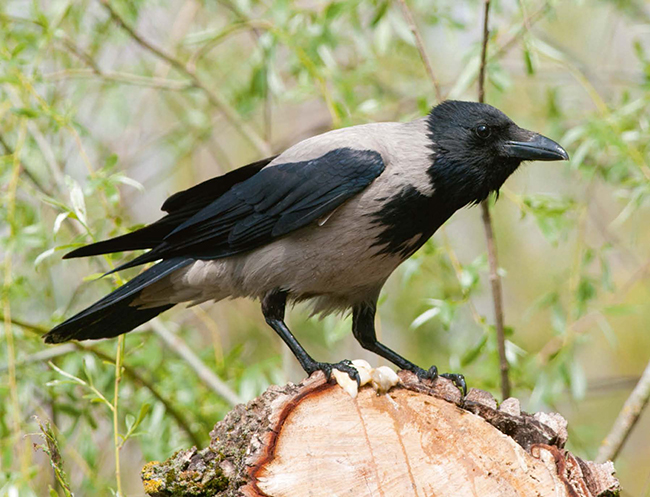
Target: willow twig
215,99
132,373
121,77
116,420
626,420
486,38
495,279
213,382
527,24
423,53
32,177
12,227
504,48
42,143
81,54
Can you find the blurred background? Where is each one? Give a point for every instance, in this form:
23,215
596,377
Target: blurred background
107,107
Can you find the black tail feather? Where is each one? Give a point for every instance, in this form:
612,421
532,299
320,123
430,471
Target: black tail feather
106,323
113,315
144,238
180,207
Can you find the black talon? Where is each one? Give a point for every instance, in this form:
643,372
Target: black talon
432,374
458,380
427,374
345,366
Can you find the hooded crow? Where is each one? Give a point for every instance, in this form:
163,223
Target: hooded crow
327,221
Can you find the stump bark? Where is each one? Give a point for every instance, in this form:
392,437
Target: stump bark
419,439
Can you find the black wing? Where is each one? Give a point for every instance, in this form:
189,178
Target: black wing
181,206
272,203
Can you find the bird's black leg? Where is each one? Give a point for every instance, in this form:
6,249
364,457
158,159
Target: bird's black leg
273,306
363,329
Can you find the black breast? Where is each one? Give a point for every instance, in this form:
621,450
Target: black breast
408,220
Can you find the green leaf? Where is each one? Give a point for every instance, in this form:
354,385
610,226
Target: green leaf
578,380
333,10
472,354
43,255
59,221
528,61
120,178
427,315
380,12
144,410
25,112
622,309
78,201
129,419
111,161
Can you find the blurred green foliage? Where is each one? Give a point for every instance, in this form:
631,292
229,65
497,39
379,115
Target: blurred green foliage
99,123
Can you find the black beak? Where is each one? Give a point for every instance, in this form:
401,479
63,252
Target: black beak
538,147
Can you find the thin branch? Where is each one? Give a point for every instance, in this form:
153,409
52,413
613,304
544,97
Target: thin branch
486,38
611,384
420,44
119,354
80,54
495,279
42,355
219,36
121,77
32,177
497,297
268,101
626,420
504,48
259,24
135,376
8,277
43,145
527,24
177,345
132,373
215,99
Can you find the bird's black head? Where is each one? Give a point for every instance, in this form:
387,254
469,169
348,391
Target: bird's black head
476,147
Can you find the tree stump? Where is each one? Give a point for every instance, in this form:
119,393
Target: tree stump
419,439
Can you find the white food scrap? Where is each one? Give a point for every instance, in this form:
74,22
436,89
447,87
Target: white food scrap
381,379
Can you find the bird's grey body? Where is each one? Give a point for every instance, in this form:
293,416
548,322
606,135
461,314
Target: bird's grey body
335,261
327,221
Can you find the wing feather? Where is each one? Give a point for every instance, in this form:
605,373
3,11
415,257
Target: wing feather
180,207
274,202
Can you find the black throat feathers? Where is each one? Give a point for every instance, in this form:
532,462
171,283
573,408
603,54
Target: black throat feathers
459,176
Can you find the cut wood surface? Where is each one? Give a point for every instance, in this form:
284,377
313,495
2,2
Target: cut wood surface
419,439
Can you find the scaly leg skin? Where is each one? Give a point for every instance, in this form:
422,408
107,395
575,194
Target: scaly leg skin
273,307
363,329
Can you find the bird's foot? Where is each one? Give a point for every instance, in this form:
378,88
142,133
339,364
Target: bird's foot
432,374
345,366
458,380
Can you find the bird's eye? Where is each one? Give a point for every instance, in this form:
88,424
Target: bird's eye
483,131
